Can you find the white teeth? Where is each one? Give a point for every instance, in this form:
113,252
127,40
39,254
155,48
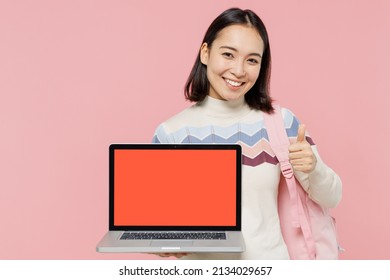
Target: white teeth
233,83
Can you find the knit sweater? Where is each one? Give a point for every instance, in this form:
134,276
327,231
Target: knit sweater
219,121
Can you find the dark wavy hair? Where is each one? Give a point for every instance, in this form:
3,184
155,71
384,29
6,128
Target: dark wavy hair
258,97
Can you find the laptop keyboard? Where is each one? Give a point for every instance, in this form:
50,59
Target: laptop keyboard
173,235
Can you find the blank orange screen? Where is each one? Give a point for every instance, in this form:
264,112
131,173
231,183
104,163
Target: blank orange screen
175,188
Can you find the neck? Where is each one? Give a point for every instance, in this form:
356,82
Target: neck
223,108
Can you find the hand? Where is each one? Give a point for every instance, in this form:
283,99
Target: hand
301,155
176,255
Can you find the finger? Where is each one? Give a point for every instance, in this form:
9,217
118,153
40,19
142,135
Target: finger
164,255
168,255
306,164
295,155
307,168
300,161
301,133
295,147
300,168
299,146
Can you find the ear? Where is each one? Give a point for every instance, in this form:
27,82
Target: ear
204,53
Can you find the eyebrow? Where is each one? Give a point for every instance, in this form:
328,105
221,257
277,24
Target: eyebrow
234,49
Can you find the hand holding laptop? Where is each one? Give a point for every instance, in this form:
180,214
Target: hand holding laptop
176,255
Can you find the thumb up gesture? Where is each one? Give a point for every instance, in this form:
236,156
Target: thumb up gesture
301,155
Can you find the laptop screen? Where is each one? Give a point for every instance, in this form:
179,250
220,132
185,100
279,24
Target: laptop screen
169,186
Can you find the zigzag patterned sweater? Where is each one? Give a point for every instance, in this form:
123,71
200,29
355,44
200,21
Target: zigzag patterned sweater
218,121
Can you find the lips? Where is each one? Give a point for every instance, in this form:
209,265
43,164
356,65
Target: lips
233,83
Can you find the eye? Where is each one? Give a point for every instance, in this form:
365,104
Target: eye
253,61
227,55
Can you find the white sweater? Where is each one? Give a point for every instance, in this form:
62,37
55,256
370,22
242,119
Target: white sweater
218,121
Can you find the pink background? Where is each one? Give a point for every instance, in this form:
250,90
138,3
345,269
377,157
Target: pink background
78,75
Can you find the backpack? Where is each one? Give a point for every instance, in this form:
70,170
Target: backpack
307,228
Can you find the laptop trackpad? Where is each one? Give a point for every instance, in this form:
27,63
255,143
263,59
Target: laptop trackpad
171,243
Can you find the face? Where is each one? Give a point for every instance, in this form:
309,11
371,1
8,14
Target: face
233,61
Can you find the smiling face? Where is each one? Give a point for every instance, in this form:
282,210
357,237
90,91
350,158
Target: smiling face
233,61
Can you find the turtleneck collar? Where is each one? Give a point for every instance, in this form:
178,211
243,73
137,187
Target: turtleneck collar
226,109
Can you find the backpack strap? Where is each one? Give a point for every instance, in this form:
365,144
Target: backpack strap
280,143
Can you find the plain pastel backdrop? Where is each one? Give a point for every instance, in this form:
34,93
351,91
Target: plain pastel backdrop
77,75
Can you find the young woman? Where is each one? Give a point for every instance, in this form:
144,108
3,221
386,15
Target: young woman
230,85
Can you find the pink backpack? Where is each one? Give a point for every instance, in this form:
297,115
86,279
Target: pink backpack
307,228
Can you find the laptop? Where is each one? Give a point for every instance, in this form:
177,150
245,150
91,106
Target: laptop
169,198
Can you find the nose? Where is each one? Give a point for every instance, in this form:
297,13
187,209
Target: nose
238,69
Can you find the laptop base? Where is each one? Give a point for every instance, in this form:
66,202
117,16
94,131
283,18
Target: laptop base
111,243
